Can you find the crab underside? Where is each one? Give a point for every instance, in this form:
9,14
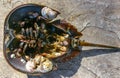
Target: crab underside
33,42
36,42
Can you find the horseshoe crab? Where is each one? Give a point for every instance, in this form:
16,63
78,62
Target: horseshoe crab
33,42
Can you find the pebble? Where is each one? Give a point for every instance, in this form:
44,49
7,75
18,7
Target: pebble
23,61
12,56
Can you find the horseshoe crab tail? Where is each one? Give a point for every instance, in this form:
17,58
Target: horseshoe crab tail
76,43
83,43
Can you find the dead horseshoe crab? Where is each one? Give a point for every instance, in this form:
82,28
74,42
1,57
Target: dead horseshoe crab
32,41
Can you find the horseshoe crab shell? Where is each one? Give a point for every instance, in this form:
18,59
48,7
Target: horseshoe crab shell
14,32
28,32
11,41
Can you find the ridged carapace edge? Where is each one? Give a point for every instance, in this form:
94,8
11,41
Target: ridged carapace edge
65,26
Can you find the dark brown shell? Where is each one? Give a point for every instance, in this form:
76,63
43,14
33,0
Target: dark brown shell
65,26
11,29
14,38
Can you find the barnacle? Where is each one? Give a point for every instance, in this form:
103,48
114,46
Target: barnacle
49,13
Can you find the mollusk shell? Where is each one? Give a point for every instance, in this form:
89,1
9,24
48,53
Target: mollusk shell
49,13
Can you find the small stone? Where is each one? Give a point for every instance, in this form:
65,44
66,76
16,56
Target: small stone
12,56
23,61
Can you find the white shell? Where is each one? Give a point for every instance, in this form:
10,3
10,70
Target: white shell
48,13
30,65
45,67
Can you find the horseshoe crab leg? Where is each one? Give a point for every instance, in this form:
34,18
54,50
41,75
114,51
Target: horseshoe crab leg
83,43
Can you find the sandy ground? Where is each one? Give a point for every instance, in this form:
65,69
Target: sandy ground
102,21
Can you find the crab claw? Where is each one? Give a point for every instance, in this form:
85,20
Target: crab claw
49,13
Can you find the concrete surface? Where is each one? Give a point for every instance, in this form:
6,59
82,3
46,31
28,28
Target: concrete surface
92,62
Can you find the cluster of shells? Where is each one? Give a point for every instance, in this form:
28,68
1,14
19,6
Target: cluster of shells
38,41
